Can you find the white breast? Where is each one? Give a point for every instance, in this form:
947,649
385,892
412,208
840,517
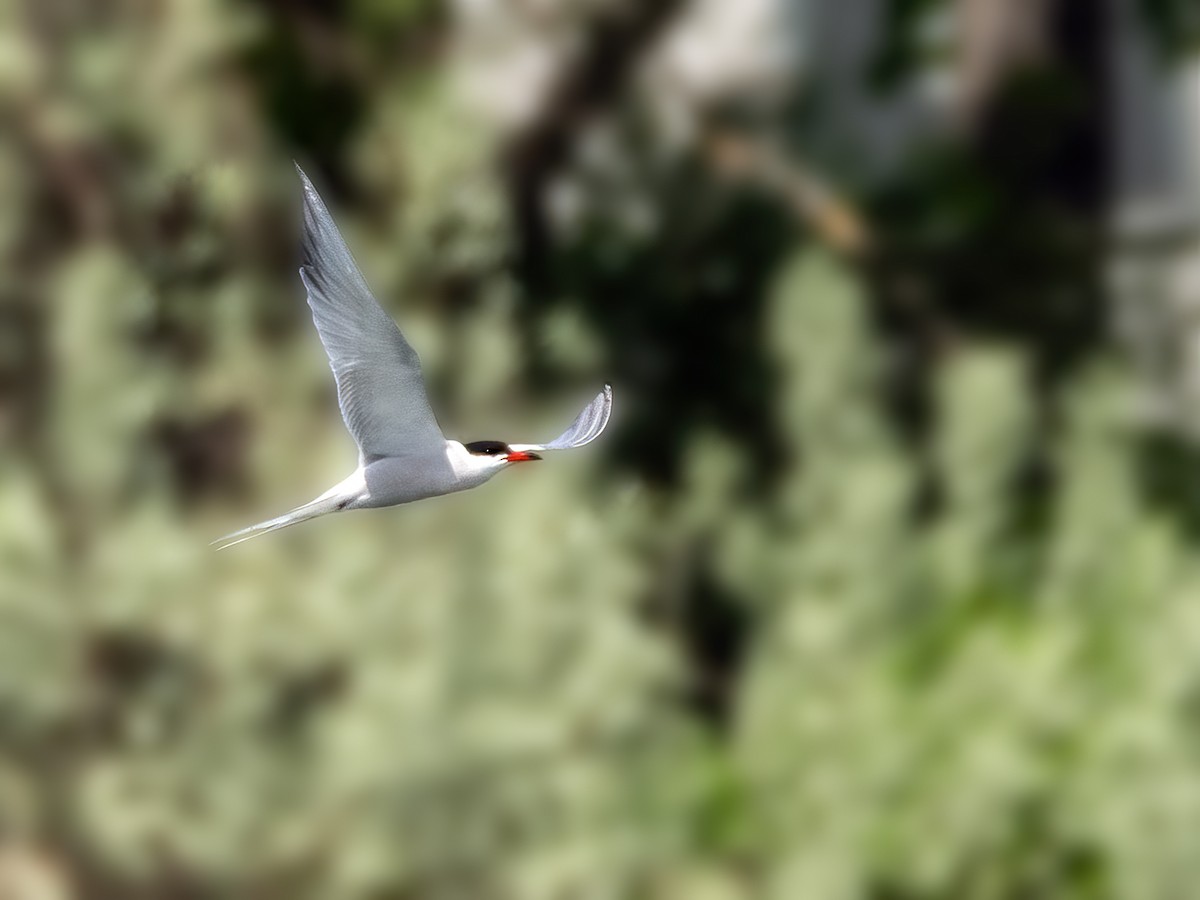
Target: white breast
394,480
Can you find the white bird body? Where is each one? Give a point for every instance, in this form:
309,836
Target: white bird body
403,455
393,480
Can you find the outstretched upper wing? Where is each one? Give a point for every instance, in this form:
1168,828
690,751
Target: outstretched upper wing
585,429
378,374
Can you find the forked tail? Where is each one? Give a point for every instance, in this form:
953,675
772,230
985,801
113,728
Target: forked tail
319,507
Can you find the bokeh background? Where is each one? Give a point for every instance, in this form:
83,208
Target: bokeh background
883,584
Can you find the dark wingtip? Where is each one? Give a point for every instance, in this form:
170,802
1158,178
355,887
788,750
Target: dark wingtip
313,214
305,181
608,404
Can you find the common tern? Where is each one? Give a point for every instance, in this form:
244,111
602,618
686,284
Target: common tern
402,454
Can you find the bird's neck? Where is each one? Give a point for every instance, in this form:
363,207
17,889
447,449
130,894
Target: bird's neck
467,466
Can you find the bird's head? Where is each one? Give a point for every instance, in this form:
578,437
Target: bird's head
497,454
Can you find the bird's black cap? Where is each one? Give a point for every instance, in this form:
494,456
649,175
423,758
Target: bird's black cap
500,449
487,448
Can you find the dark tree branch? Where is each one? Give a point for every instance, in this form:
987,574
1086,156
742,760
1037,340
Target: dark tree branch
590,84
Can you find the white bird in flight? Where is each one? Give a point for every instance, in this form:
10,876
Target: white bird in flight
402,454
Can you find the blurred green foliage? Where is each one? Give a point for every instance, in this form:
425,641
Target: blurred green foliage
734,651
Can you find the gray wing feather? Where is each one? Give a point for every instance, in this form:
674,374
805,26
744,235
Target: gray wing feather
586,428
380,389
